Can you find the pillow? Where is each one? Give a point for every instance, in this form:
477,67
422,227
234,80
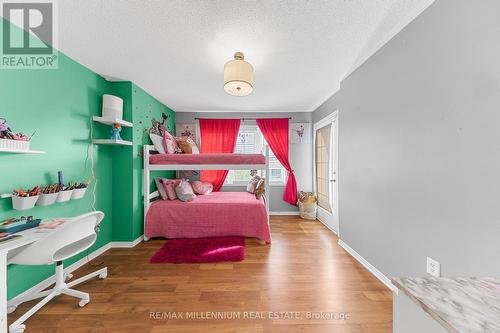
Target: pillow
169,142
252,184
184,191
169,186
187,145
161,188
157,142
261,188
202,188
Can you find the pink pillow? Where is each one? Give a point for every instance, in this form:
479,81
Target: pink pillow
184,191
202,188
169,185
169,142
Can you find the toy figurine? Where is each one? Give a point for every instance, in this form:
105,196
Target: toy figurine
115,132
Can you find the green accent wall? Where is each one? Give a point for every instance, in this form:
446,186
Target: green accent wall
58,105
145,107
139,108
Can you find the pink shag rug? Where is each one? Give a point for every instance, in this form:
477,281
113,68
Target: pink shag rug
199,250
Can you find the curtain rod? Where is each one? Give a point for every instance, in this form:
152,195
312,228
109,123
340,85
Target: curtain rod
241,118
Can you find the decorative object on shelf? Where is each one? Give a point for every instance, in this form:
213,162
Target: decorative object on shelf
115,132
300,133
11,142
238,76
186,130
112,114
112,107
6,132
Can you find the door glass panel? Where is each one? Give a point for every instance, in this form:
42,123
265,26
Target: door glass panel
323,167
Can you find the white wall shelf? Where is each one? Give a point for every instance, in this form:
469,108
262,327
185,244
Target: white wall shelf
111,121
21,151
112,142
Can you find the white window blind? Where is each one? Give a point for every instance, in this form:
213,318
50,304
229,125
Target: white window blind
251,141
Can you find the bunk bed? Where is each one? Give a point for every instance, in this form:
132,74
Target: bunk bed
214,215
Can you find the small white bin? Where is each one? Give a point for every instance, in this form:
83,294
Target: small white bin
14,144
24,203
47,199
64,196
78,193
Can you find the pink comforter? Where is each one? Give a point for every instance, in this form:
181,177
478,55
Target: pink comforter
207,159
214,215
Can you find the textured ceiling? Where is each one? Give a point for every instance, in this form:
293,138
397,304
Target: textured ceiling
176,49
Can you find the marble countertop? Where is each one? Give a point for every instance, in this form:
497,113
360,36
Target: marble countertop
461,305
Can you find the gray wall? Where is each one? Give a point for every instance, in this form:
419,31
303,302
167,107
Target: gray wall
300,154
419,139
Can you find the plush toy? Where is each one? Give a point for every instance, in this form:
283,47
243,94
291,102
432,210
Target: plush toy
115,132
6,132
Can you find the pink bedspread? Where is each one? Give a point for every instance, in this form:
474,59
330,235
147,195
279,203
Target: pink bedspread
207,159
214,215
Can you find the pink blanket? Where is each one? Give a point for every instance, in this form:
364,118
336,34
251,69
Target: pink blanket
214,215
207,159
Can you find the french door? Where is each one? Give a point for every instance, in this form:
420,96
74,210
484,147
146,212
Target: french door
325,170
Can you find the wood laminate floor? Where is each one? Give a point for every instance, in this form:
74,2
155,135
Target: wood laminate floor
304,270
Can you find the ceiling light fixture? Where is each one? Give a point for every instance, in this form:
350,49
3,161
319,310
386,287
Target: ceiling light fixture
238,76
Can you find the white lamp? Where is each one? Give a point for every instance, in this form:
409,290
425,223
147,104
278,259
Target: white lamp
238,76
112,107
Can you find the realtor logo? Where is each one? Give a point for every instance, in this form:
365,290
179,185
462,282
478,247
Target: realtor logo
28,35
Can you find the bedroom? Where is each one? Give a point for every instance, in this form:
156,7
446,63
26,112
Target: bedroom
369,115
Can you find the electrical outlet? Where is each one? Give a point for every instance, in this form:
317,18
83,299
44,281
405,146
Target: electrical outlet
433,267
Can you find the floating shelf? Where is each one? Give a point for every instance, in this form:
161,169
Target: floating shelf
111,121
112,142
20,151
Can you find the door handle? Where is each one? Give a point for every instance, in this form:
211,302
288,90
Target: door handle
333,180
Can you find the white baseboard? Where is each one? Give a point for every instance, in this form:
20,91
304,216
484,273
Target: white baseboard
378,274
286,212
77,264
328,227
118,245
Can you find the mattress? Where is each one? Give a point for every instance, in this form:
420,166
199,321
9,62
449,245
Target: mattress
227,158
214,215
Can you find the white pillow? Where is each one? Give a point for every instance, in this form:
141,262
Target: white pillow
157,142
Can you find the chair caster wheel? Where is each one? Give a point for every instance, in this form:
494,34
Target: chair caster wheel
83,302
103,275
68,277
18,329
11,308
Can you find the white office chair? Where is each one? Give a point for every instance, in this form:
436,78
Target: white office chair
68,239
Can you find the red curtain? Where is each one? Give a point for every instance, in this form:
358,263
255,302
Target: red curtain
275,132
217,136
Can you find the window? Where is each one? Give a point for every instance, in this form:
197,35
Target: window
251,141
323,139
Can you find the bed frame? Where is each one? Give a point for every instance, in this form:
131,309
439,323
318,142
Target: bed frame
148,195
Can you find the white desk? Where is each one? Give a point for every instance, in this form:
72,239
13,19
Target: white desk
7,249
